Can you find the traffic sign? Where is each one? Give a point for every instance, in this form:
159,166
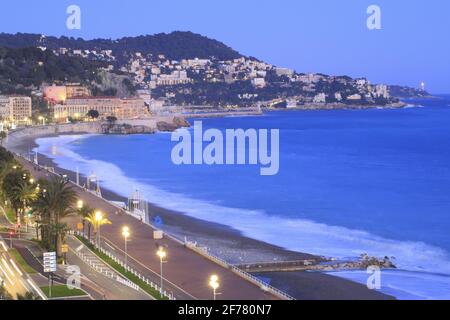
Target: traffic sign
65,248
50,262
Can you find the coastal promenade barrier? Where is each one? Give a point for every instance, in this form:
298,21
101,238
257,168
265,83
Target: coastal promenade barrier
241,273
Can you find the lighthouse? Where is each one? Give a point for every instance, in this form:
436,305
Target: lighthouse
422,86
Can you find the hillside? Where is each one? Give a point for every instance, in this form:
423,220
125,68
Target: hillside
23,69
176,45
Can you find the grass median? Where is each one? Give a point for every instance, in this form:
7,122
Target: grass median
130,276
21,261
62,291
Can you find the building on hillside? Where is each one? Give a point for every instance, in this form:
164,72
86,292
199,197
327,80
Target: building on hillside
175,78
284,72
78,108
59,94
259,82
15,110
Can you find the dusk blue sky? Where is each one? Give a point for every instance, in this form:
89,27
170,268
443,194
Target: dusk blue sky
327,36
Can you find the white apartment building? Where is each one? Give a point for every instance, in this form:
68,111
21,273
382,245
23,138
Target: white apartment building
175,78
259,82
15,109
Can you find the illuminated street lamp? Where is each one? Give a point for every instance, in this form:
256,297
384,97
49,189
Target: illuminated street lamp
214,284
42,119
161,254
126,235
80,204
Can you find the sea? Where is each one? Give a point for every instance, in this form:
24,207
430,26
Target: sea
350,182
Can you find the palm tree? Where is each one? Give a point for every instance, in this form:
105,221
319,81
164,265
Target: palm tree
84,212
96,222
19,191
56,201
3,136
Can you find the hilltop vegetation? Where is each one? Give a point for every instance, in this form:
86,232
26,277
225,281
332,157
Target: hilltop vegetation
176,45
22,69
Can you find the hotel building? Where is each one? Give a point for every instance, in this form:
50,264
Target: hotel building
59,94
15,109
78,108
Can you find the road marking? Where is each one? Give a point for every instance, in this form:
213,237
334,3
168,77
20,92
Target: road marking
110,246
36,289
145,267
15,267
6,275
5,248
8,267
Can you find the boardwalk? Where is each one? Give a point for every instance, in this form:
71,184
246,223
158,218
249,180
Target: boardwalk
187,272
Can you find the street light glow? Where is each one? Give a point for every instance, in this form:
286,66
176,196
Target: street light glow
214,282
80,204
161,253
98,216
125,232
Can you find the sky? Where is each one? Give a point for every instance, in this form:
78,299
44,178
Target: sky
327,36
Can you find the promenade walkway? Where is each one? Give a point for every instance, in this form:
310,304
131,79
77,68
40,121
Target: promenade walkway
186,272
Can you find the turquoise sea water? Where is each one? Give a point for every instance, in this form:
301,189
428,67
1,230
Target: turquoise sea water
350,182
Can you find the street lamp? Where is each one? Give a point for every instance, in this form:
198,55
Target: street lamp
80,204
98,219
162,254
214,284
126,234
41,118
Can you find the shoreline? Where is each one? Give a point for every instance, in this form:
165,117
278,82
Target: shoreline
228,243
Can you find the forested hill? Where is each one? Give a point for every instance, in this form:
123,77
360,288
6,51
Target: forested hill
176,45
23,68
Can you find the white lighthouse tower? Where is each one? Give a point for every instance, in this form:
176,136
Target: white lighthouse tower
422,86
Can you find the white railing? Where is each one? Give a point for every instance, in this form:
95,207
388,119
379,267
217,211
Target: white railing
263,285
131,270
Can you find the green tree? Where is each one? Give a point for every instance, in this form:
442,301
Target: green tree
96,221
56,201
18,191
93,114
3,136
84,212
